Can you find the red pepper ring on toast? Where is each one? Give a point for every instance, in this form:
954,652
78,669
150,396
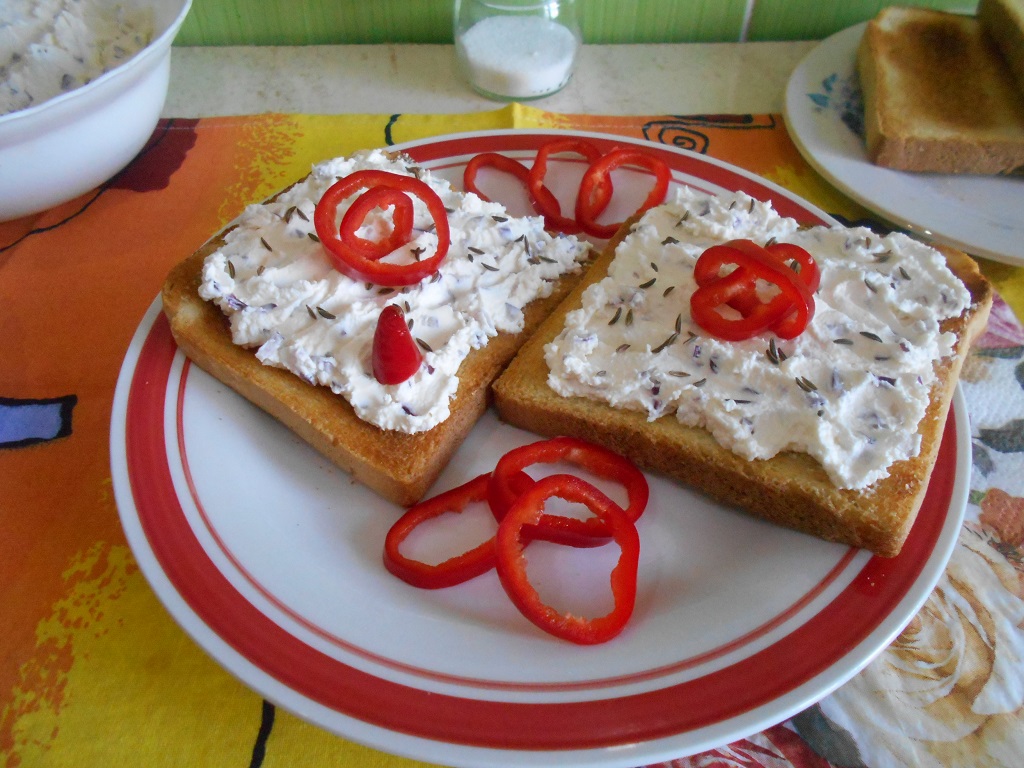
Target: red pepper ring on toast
512,538
806,267
545,201
505,487
500,162
378,197
458,568
595,188
803,265
787,313
799,260
349,257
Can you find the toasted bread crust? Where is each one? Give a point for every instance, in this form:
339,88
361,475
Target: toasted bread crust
791,489
938,96
398,466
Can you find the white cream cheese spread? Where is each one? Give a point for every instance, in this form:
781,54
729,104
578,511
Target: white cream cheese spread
274,281
850,390
49,47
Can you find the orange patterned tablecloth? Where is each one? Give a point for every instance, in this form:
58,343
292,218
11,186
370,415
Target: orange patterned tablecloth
93,671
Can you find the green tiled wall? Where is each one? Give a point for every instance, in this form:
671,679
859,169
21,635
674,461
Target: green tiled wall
622,21
302,22
810,20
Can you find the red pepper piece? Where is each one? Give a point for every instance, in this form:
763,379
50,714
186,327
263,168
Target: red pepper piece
595,188
807,267
545,201
494,160
356,263
512,538
458,568
502,492
395,355
378,197
746,301
454,570
787,313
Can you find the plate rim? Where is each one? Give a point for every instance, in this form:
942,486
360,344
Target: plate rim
414,746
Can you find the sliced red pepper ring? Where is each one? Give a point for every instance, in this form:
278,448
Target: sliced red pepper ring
807,267
595,188
735,290
458,568
746,300
545,201
383,198
787,313
350,259
493,160
512,538
454,570
606,464
790,323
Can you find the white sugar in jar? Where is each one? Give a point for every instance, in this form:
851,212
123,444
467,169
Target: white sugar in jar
516,49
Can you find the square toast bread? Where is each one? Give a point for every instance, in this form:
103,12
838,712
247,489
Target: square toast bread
790,489
400,467
938,95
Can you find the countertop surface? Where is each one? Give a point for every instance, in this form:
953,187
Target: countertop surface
384,79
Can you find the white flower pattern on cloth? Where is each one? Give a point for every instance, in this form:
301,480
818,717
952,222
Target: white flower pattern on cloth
945,691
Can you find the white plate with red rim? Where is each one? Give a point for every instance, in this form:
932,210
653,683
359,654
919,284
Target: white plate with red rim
270,558
981,215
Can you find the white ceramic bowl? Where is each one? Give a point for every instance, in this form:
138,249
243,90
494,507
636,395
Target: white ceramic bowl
59,149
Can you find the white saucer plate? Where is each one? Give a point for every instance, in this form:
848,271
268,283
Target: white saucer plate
982,215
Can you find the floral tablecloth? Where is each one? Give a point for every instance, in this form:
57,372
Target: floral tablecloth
93,671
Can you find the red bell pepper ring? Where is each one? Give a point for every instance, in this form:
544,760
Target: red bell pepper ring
707,269
595,188
512,538
506,486
807,267
458,568
793,324
745,300
787,313
454,570
369,267
543,198
402,219
493,160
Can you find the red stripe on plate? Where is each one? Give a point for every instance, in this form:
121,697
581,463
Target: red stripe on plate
478,683
669,711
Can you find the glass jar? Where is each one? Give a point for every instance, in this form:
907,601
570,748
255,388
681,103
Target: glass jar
516,49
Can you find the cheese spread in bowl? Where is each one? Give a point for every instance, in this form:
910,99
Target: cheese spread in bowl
83,85
850,390
283,298
50,47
